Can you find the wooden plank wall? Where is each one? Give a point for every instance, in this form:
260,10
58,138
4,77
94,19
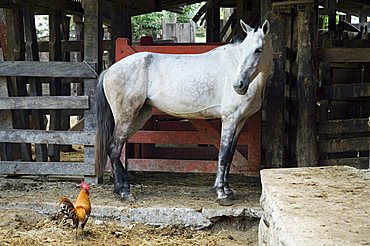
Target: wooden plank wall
289,137
344,135
22,77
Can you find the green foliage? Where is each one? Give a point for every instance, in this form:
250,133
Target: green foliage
188,13
42,26
324,21
148,24
151,24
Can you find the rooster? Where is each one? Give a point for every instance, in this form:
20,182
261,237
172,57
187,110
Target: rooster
80,212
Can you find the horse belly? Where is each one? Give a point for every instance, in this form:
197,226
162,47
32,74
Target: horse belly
185,101
185,109
181,88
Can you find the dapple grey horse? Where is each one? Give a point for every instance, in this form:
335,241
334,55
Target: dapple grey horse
226,82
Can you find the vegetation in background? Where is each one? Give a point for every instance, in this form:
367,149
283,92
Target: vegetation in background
142,25
151,24
324,21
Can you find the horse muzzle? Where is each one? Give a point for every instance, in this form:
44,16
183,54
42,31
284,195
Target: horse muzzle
241,88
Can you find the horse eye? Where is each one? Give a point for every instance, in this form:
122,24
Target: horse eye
259,50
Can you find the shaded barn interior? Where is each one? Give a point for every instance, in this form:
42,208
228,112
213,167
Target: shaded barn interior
316,104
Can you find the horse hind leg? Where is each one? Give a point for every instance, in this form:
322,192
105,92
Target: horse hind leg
120,174
121,135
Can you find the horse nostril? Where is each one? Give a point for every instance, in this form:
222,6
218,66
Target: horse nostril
241,84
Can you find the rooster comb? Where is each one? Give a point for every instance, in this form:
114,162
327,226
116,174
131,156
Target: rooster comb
84,185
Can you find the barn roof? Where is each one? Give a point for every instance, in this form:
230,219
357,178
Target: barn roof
136,7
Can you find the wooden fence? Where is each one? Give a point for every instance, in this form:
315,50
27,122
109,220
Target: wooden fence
34,69
344,103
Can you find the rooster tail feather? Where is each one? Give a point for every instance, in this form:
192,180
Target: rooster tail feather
67,208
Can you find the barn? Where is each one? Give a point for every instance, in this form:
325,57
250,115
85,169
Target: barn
314,117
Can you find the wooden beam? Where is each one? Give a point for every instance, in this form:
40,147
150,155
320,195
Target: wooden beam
231,21
344,54
359,162
240,11
46,168
55,69
351,43
275,95
284,3
71,6
5,122
55,54
178,137
5,115
17,86
213,21
35,85
344,145
185,166
72,45
47,137
120,27
346,91
332,15
93,33
306,144
45,102
344,126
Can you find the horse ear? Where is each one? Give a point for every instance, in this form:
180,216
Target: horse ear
246,28
266,27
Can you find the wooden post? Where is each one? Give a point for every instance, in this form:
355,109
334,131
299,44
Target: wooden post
79,56
121,27
362,18
332,15
5,115
55,54
275,89
17,85
306,142
93,55
348,17
249,12
32,52
66,86
79,34
213,21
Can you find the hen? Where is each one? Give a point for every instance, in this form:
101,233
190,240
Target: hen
80,212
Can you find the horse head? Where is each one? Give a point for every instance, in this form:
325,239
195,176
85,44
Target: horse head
256,55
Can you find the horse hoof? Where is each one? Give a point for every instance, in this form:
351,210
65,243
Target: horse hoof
127,197
124,196
225,201
231,196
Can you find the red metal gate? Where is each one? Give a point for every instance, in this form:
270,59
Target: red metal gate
171,144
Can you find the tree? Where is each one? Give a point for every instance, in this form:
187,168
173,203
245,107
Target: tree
151,24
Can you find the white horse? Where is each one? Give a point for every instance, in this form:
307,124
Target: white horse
226,82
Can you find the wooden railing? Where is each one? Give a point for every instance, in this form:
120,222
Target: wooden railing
8,135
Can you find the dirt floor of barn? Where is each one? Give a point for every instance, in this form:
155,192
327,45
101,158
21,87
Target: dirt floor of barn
27,206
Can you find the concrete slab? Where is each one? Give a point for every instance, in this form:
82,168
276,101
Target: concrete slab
315,206
161,199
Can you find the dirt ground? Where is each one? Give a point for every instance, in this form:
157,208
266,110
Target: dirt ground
27,227
20,226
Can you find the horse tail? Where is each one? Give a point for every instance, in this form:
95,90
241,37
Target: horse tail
104,126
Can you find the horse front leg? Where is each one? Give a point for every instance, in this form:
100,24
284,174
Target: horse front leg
228,191
120,174
224,158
